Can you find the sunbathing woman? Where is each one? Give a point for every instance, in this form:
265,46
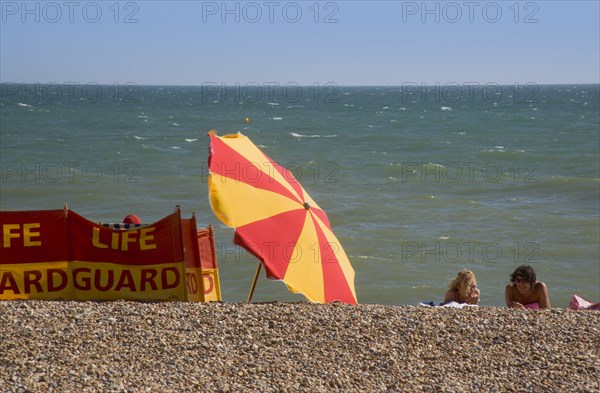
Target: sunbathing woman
524,292
463,289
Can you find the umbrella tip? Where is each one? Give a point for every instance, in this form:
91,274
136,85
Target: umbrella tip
306,205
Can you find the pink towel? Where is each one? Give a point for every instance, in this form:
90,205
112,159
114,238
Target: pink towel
579,303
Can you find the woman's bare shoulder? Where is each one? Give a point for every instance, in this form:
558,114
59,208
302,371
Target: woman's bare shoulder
451,294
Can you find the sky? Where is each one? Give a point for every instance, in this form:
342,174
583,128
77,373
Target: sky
300,42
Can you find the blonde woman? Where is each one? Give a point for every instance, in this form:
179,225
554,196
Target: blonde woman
463,289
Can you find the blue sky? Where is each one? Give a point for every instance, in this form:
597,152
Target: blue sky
303,42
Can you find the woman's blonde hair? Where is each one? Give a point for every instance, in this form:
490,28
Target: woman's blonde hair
462,283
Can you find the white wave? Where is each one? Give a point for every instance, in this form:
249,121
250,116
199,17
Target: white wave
385,107
272,103
24,105
175,124
139,138
446,108
402,109
499,147
295,106
175,147
191,140
277,118
369,257
443,237
434,165
143,116
311,136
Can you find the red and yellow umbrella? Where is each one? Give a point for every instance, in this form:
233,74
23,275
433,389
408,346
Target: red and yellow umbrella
277,221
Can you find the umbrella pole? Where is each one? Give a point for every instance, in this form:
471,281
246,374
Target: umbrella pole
254,282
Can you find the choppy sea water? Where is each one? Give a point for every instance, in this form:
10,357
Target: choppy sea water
418,182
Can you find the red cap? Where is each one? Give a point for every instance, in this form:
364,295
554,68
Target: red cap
132,219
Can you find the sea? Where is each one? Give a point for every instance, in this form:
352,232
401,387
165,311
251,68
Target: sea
418,181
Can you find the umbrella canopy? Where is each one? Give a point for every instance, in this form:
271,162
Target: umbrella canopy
277,221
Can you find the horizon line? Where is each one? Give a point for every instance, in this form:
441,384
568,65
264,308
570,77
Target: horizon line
323,85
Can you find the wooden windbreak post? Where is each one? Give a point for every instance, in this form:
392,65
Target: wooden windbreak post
254,282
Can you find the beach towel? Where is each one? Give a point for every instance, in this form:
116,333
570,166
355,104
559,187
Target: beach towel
447,304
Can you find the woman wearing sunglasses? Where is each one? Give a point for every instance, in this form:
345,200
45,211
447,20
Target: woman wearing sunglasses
525,292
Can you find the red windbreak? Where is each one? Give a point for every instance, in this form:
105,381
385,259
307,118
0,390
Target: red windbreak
153,244
33,236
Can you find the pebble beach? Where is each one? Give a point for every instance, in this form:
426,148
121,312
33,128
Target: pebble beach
64,346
